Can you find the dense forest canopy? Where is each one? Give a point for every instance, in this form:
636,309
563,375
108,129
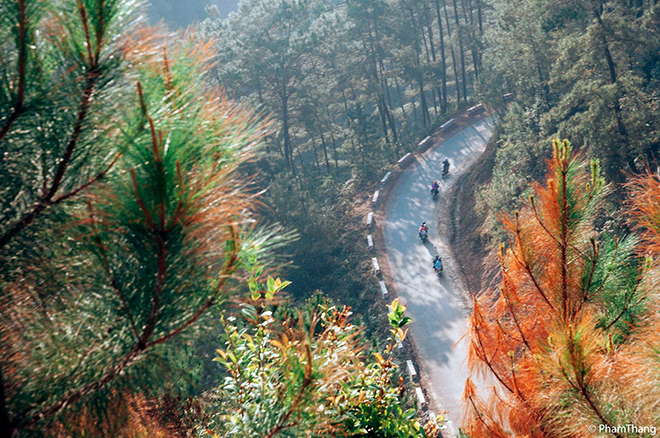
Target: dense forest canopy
178,219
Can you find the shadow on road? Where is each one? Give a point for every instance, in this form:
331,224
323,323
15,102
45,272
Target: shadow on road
439,318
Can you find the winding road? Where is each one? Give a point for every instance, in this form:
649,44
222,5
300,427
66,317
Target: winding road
439,307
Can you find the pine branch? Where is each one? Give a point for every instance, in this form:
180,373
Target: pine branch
18,226
45,201
161,238
592,270
143,207
83,110
581,386
587,397
545,228
85,102
22,70
230,266
477,411
100,30
91,60
484,357
516,321
6,425
82,187
525,264
113,280
564,211
75,395
627,305
140,347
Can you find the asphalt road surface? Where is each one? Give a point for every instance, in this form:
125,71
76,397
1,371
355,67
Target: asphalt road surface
438,306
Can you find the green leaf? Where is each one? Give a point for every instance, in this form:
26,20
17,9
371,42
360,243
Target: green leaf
249,310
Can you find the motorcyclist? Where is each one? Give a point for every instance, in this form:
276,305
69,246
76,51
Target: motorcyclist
437,263
423,229
435,187
445,166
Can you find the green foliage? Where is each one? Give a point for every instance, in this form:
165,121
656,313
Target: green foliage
124,219
583,68
396,318
380,412
352,79
519,160
350,88
283,376
290,374
616,280
580,70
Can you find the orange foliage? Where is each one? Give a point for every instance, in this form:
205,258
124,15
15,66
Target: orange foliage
125,415
552,370
644,204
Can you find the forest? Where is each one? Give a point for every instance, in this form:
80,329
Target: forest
182,218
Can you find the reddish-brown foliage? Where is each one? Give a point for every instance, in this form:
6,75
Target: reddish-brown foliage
539,341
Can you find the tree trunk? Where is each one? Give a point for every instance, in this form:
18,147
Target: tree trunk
425,109
334,149
387,104
429,28
453,55
385,86
325,154
429,31
413,104
288,149
420,76
623,132
302,163
316,155
390,118
443,106
473,42
465,15
380,101
475,57
427,52
428,60
278,145
348,120
383,119
398,91
544,85
481,27
460,48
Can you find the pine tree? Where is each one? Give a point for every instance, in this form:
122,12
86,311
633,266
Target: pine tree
271,48
124,219
555,335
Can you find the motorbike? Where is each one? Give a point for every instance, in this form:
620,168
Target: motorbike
434,193
437,266
423,235
445,169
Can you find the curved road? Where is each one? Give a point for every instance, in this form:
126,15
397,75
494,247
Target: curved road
439,307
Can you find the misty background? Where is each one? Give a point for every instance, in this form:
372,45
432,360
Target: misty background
181,13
